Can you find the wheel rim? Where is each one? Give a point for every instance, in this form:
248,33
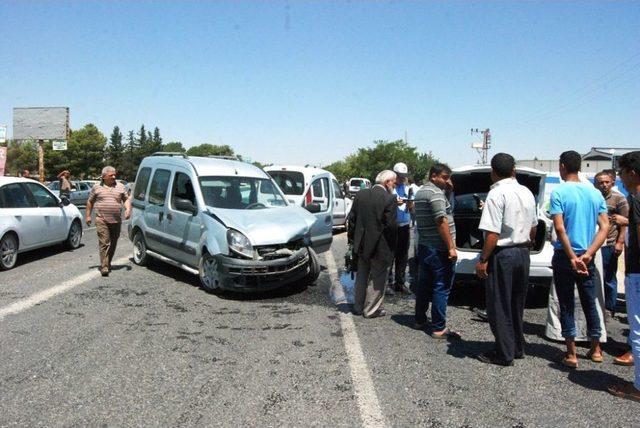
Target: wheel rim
8,251
139,248
209,273
76,235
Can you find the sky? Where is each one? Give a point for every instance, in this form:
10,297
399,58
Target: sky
310,82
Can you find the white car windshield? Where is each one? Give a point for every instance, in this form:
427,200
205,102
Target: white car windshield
240,193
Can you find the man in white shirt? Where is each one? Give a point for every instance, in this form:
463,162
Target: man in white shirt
509,221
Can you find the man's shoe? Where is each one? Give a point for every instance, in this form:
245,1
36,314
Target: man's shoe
104,272
492,358
402,288
419,325
519,356
377,314
389,291
625,359
481,313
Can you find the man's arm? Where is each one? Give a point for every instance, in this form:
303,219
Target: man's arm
87,215
577,264
598,240
127,208
490,243
623,211
443,229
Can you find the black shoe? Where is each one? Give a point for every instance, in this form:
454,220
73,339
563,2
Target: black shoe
519,356
378,313
104,272
481,313
492,358
419,325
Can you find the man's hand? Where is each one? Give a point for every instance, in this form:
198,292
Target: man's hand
617,250
453,255
400,201
88,220
481,270
620,220
127,214
579,266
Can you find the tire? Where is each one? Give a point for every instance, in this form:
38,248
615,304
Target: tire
75,236
140,256
208,272
8,251
314,268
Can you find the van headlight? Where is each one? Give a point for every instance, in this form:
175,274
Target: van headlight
239,243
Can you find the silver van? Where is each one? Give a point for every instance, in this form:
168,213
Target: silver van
226,221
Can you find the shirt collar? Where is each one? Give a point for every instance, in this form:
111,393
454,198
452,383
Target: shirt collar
503,182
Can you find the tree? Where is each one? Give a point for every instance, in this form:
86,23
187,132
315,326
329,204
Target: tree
21,155
156,141
173,146
115,150
85,153
132,157
368,162
210,150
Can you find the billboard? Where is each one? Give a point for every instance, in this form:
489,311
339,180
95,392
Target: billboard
40,123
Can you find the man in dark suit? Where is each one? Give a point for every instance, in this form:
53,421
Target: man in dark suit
372,230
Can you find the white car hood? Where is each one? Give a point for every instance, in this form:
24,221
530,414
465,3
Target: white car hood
268,226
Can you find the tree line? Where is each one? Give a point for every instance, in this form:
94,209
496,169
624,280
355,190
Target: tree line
88,151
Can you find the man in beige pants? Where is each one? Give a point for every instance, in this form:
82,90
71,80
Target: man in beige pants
108,198
372,229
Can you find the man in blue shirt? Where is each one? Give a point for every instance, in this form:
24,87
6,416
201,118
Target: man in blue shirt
577,209
405,197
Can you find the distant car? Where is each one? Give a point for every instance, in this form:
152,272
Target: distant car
31,217
356,183
471,185
78,196
305,185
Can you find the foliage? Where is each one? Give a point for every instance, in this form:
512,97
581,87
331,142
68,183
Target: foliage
21,155
115,150
368,162
210,150
173,146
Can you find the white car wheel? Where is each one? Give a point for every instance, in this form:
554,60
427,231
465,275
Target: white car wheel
209,277
8,251
140,256
75,236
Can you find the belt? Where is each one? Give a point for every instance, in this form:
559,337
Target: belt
523,245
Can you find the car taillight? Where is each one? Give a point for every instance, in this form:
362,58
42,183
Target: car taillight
307,197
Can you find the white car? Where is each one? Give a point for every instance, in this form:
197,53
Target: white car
471,185
32,217
78,196
306,185
356,183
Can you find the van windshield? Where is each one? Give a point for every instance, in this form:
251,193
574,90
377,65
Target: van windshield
291,182
239,193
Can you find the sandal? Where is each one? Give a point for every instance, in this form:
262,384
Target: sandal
447,334
625,390
571,363
596,358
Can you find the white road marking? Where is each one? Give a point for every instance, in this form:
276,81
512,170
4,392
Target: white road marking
42,296
368,404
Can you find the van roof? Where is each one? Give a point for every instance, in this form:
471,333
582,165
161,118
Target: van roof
205,166
307,171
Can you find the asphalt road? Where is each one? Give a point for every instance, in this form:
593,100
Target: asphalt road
147,346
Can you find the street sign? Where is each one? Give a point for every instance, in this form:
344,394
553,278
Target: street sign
3,159
59,145
3,133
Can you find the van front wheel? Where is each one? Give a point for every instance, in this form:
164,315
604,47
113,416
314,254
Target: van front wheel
209,276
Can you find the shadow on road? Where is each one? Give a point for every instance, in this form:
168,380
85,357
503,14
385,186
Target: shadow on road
42,254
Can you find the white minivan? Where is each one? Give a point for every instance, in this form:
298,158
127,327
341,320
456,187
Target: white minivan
305,185
471,185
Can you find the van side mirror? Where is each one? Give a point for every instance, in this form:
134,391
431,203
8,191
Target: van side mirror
184,205
313,208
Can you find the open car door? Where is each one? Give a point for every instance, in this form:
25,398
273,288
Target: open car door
319,201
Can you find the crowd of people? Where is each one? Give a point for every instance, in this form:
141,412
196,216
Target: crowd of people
587,219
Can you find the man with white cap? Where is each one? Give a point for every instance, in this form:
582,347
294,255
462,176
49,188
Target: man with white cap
403,218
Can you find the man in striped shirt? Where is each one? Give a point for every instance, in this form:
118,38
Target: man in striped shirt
436,251
107,198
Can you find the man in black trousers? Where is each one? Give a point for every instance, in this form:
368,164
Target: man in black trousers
372,229
509,221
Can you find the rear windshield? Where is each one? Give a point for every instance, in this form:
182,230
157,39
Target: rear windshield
291,182
357,183
239,193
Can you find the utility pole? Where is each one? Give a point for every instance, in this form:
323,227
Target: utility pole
482,148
